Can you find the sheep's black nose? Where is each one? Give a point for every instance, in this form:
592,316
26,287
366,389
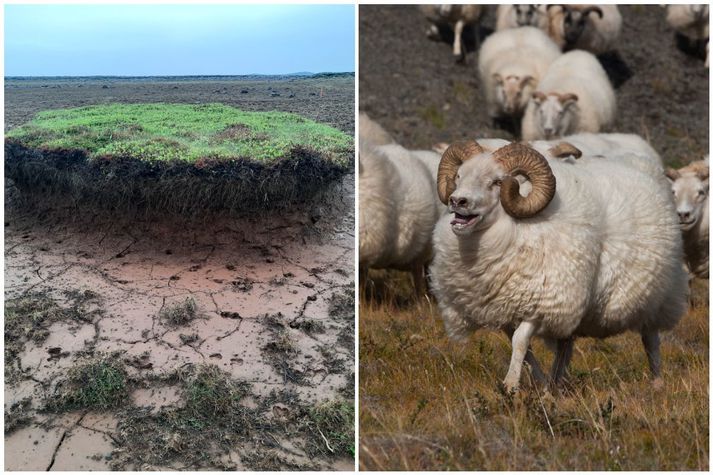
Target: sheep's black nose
458,202
684,215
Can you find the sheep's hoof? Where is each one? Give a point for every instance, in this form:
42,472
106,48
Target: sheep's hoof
507,390
433,33
657,383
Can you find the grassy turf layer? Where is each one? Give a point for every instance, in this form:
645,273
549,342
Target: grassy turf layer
179,159
165,132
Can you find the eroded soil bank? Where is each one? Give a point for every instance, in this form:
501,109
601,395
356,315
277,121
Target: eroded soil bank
213,344
249,316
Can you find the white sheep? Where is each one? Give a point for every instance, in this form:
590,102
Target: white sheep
593,250
594,28
690,190
515,16
398,208
630,149
372,132
690,21
456,17
510,65
574,95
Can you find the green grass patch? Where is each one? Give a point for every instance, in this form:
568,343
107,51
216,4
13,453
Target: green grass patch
173,159
98,384
167,132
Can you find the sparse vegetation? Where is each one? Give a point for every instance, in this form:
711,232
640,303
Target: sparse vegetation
341,304
332,427
179,314
18,415
281,351
430,404
218,414
97,384
29,317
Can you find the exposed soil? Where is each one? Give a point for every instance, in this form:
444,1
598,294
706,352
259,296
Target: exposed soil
415,89
249,300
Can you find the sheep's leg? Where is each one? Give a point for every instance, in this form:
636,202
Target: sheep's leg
520,345
539,376
363,279
418,273
535,368
562,358
458,41
652,343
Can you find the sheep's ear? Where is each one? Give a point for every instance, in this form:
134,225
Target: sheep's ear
498,78
672,174
538,97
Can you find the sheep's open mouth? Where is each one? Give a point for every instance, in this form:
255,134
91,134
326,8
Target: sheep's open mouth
461,221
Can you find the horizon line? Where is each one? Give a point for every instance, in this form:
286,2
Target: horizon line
174,75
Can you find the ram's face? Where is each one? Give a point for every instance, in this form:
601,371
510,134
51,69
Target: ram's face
513,92
690,194
476,199
574,23
553,115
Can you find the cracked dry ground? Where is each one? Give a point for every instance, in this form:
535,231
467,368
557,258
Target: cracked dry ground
271,312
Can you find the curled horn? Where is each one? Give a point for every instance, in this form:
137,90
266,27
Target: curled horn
564,150
589,10
702,171
452,159
564,7
568,97
519,159
672,174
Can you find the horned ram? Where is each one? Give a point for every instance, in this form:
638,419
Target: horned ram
593,250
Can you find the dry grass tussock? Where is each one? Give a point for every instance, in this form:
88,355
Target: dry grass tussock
427,404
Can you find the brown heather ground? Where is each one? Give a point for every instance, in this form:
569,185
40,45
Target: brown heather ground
428,404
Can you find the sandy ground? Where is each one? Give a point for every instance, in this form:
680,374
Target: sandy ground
243,275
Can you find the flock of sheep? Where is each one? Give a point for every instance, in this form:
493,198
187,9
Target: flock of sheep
568,233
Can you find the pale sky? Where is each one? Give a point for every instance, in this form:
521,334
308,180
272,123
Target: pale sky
162,40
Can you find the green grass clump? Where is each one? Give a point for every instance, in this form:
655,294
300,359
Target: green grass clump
210,394
99,384
180,314
332,428
184,132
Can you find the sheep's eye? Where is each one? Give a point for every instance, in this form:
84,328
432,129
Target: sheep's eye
495,182
701,193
